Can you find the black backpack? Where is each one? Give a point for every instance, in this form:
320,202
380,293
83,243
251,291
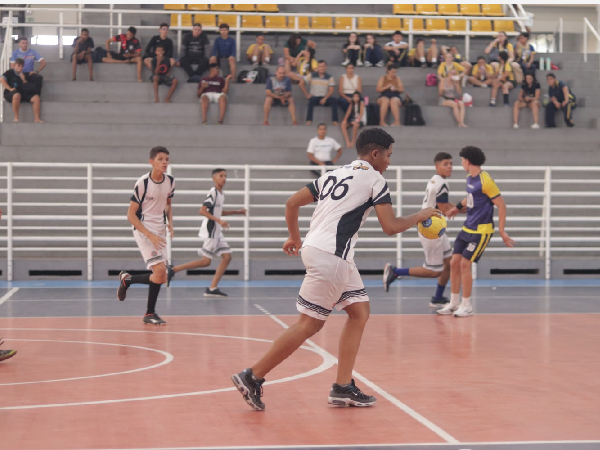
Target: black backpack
262,76
372,114
242,76
412,114
98,53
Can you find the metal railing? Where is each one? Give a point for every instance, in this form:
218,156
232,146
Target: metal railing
5,59
588,26
78,211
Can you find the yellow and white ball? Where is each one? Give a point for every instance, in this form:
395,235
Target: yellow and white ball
433,228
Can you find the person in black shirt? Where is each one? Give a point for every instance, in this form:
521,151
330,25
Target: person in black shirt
19,87
529,97
130,50
83,45
162,40
161,74
561,97
193,48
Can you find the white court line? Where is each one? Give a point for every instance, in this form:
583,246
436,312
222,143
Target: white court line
408,410
8,295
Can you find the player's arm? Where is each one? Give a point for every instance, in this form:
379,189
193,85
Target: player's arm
460,207
204,212
390,224
169,213
292,210
232,212
156,240
445,207
499,202
108,41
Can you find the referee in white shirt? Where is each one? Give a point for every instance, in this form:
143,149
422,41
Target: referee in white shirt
320,150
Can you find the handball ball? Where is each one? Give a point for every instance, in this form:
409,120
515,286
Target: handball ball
433,228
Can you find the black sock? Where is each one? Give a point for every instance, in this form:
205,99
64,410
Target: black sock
153,291
143,278
506,101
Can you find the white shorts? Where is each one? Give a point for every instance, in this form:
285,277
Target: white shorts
436,250
330,281
213,96
151,255
214,247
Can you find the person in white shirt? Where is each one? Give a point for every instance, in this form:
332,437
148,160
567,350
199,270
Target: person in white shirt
397,50
321,148
345,198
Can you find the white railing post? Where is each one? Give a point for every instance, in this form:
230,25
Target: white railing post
119,23
110,20
410,33
296,23
584,41
238,37
247,223
60,35
79,14
9,221
399,213
354,24
90,223
560,35
543,217
467,39
179,34
168,236
548,201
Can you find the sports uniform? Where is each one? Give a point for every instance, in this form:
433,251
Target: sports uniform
436,250
210,231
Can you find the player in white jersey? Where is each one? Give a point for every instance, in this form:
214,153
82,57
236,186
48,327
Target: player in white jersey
151,215
438,252
211,232
344,197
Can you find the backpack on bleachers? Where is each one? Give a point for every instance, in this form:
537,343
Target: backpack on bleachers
262,75
412,113
372,114
98,53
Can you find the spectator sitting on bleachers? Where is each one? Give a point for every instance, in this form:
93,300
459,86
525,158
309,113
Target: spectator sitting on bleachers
529,97
19,88
482,74
498,45
223,51
321,92
279,93
213,89
355,117
83,46
30,56
320,150
422,57
292,49
193,53
373,53
397,50
561,97
307,63
505,79
130,50
352,50
450,95
259,53
458,59
161,74
348,84
448,64
162,40
389,87
524,54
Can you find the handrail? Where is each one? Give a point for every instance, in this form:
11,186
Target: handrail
559,30
5,60
587,25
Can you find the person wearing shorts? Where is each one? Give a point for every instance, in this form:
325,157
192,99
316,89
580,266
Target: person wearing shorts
213,89
130,51
478,229
161,74
19,88
505,79
344,197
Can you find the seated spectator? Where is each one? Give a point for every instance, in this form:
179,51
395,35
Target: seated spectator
500,44
482,74
321,92
320,150
524,57
389,87
83,45
561,97
349,83
355,117
352,50
373,52
18,88
448,64
259,53
422,57
161,74
397,50
529,97
450,95
30,56
453,50
162,40
213,89
223,51
193,53
130,50
292,49
505,79
279,93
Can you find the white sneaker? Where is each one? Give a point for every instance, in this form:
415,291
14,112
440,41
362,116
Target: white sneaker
464,311
359,63
447,310
345,63
516,126
368,64
535,126
380,64
485,86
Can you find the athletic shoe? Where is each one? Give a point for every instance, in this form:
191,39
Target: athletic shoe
570,123
124,283
447,310
437,302
368,64
388,276
250,387
154,319
516,126
349,395
493,105
216,292
535,126
359,63
380,64
170,275
6,354
346,62
464,311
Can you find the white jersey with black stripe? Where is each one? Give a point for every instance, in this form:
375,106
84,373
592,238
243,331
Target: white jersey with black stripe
437,191
214,203
345,198
151,198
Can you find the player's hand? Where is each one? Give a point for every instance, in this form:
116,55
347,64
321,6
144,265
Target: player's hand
450,214
506,239
242,211
171,232
224,225
292,246
426,213
157,241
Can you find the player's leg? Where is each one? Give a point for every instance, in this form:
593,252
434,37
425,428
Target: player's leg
222,108
36,104
6,354
460,244
74,66
157,278
171,90
438,299
204,101
472,253
213,290
155,80
172,270
16,105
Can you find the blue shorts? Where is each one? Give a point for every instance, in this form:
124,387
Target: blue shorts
470,245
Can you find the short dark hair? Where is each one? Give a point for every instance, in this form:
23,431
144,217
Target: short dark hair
551,74
420,40
132,30
525,34
481,57
23,38
20,62
473,154
217,170
396,33
322,61
442,156
350,64
322,124
373,139
223,25
260,34
164,24
211,65
86,30
156,150
198,25
503,55
161,45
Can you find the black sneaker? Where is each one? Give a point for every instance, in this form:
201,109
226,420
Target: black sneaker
349,395
216,292
438,302
124,283
170,275
154,319
250,388
6,354
388,276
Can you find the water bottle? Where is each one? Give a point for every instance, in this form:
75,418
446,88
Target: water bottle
548,64
546,100
542,64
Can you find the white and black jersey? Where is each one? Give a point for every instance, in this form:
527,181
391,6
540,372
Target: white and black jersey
437,192
151,198
214,203
345,198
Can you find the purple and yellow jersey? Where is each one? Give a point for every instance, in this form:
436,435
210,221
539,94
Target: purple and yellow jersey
481,190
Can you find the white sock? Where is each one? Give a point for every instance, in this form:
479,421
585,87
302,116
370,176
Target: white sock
267,60
422,59
466,302
434,60
454,299
254,59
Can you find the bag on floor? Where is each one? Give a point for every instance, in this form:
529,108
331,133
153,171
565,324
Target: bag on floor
262,75
372,110
242,76
98,53
413,114
431,79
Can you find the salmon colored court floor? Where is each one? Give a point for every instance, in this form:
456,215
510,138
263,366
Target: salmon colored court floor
521,374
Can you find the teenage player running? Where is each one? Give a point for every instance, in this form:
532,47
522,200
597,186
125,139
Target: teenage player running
437,251
151,215
344,197
478,229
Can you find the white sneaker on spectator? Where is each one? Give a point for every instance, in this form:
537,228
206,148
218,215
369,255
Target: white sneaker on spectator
516,126
535,126
359,63
380,64
345,63
485,86
464,311
368,64
447,310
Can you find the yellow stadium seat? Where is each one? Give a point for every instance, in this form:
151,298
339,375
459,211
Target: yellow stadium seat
198,8
481,25
492,10
321,23
220,7
404,9
303,22
457,25
470,10
267,8
342,23
242,7
391,23
417,25
275,22
186,20
368,23
206,20
504,25
448,10
426,9
171,7
436,25
229,19
252,22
